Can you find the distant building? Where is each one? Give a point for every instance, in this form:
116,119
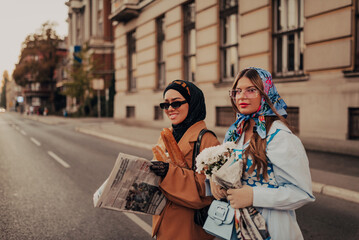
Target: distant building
310,47
36,93
61,74
89,24
14,98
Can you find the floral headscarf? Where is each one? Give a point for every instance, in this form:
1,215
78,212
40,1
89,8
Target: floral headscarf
236,129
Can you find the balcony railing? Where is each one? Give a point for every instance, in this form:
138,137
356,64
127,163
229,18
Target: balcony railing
38,93
125,10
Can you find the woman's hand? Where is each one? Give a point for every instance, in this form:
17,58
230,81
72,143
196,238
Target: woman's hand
240,198
159,168
217,192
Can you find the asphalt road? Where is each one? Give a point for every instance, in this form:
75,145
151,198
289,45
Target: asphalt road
42,197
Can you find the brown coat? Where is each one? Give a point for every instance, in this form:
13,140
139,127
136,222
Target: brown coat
185,191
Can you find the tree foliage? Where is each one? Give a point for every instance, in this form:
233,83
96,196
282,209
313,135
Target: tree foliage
38,57
5,80
80,72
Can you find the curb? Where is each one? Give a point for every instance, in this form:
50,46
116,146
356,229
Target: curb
336,192
320,188
146,146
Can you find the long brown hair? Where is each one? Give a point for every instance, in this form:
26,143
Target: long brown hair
257,145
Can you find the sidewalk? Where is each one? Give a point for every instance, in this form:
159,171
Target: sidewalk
343,184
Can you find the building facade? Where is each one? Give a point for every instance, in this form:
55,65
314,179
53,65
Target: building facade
310,47
61,75
89,25
14,98
38,91
37,94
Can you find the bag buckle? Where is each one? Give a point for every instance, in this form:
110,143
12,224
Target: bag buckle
221,212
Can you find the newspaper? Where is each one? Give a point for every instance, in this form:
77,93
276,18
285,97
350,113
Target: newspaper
131,187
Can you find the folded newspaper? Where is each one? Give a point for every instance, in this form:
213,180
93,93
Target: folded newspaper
131,187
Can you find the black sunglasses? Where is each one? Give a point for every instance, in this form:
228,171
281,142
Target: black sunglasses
175,105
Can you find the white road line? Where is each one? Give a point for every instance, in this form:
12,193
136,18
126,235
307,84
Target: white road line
35,141
58,159
139,222
23,132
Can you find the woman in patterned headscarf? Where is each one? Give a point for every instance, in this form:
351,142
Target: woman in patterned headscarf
276,178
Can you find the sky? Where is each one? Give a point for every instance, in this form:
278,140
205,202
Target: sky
20,18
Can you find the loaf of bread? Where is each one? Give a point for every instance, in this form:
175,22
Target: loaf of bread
159,154
172,148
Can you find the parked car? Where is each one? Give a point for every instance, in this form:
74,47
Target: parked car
2,110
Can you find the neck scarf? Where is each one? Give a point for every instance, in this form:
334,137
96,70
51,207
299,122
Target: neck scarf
197,107
236,129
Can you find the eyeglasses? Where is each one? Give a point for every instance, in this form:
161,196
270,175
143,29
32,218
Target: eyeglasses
248,93
175,105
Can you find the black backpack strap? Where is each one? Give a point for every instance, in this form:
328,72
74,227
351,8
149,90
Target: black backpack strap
197,145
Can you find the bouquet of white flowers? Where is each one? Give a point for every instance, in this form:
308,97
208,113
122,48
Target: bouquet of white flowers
221,164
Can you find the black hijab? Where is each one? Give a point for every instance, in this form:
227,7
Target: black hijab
197,107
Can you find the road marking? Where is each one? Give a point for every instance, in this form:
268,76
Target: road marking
139,222
35,141
58,159
23,132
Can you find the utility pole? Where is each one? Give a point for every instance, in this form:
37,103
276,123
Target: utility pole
98,104
107,99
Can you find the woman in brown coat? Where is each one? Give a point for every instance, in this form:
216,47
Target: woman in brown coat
184,189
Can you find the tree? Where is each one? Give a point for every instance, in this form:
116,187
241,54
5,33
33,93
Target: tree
38,58
5,80
81,73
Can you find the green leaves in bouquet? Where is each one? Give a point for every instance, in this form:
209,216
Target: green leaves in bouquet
221,160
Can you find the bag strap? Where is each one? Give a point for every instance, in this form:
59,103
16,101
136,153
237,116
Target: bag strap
197,146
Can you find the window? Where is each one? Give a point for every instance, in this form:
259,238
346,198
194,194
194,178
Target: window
357,37
35,86
130,111
35,101
293,118
132,61
225,116
288,37
229,39
100,28
161,80
158,113
189,15
63,73
353,123
79,23
100,18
